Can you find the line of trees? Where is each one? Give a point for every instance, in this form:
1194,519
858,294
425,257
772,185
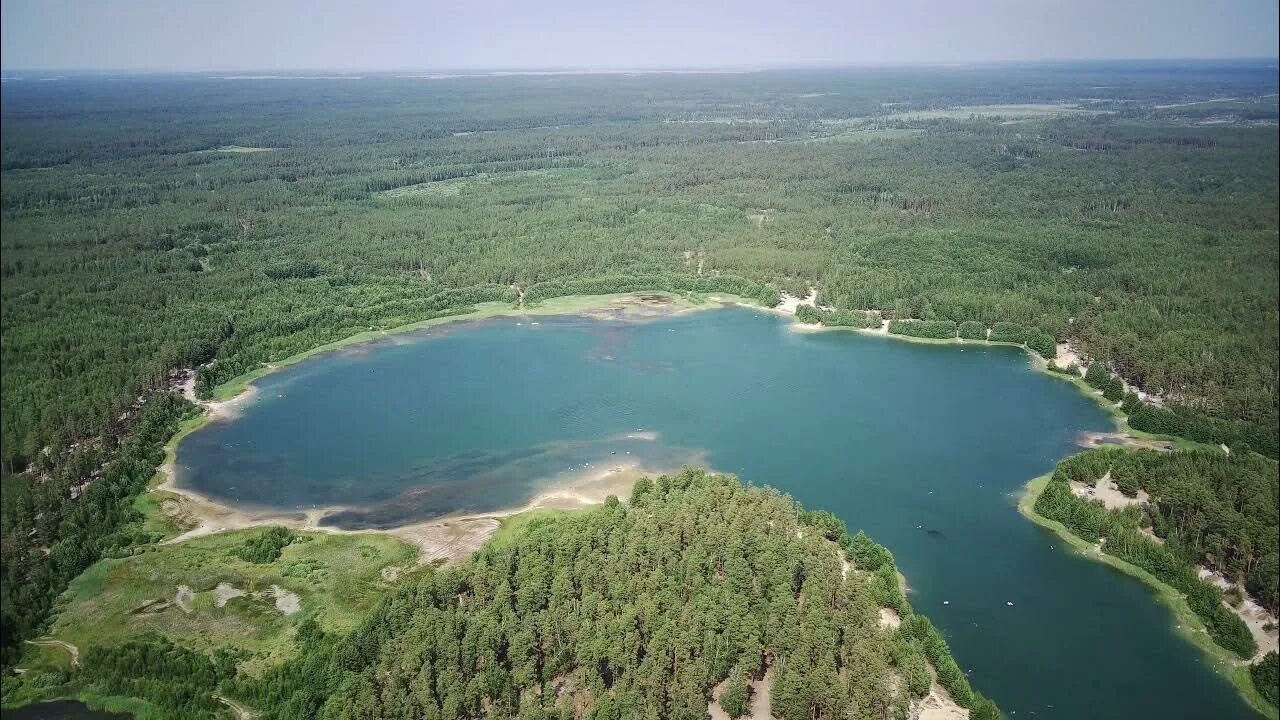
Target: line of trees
58,523
630,610
1206,508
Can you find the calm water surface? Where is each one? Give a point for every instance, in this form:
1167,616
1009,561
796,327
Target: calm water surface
924,446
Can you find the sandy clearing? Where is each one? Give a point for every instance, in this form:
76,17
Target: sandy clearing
224,593
788,303
287,602
240,711
1068,356
937,705
183,598
889,618
217,409
1107,491
1253,614
1099,439
761,707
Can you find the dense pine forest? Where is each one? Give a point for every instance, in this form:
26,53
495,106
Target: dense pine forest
635,609
155,223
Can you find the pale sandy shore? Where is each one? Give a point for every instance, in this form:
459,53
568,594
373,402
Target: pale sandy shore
1257,618
444,539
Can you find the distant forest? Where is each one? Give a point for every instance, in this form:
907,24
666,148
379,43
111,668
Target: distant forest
141,233
154,223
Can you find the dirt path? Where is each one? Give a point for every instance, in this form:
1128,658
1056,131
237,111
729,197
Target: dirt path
240,711
71,649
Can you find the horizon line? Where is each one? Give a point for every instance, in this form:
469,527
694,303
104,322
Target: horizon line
624,69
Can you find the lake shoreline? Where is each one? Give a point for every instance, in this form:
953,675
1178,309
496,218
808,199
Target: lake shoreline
229,398
1189,625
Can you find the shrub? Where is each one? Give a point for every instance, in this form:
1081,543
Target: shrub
972,330
265,546
1008,332
734,698
936,329
1266,676
1043,343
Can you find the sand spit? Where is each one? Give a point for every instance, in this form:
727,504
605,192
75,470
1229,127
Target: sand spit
438,541
1099,439
226,592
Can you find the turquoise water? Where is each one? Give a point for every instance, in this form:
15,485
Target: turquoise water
924,446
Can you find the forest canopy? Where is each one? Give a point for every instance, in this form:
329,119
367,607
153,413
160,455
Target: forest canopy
140,235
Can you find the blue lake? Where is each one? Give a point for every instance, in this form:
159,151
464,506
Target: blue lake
926,447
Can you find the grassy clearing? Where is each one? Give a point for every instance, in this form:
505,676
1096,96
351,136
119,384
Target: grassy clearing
511,526
870,135
565,178
1189,625
1029,110
337,577
240,149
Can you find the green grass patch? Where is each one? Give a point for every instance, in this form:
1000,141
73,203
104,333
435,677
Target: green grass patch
338,578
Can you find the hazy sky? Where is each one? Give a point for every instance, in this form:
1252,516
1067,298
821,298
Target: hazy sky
428,34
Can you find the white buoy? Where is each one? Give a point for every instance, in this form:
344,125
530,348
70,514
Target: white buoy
946,602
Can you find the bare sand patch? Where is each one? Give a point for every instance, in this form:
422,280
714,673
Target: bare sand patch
937,705
1099,439
225,592
889,618
761,703
184,597
1068,356
1107,491
287,602
1256,617
788,303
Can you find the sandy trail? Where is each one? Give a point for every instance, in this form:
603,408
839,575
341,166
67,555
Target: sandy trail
72,650
938,704
1253,614
240,711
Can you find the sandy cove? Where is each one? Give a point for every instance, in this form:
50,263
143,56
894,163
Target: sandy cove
440,540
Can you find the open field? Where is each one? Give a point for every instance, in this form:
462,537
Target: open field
202,593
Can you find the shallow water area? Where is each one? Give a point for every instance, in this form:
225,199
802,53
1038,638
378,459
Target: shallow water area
924,446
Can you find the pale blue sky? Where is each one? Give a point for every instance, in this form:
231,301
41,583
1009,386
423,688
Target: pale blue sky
435,34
